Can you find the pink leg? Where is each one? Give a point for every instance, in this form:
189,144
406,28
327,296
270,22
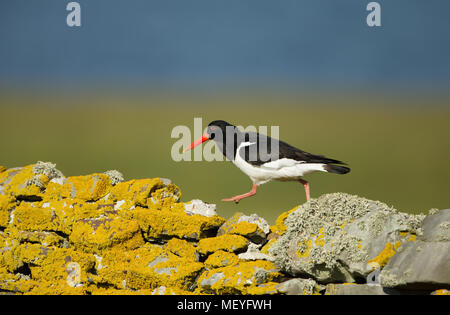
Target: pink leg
239,197
306,186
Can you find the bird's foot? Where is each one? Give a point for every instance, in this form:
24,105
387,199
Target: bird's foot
235,199
238,198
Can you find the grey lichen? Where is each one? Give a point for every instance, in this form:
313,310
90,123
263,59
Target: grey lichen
329,237
325,216
377,222
35,181
390,280
433,211
115,176
47,168
444,232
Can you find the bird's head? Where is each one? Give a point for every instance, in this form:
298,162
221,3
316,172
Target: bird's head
216,131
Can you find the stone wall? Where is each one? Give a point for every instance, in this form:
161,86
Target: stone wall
99,234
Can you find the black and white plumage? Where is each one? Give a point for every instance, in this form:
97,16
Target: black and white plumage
264,158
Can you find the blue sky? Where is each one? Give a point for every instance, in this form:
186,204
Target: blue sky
322,43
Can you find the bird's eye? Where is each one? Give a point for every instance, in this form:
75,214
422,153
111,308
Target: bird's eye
212,135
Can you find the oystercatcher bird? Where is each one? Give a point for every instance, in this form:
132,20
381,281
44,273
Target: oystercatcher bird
264,158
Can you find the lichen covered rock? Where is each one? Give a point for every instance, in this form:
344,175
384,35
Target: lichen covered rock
340,237
238,279
99,234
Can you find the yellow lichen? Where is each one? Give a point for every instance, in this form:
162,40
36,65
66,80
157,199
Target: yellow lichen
82,235
174,223
441,292
268,288
384,256
94,235
52,264
137,190
242,278
320,241
266,247
245,228
226,242
220,259
6,203
31,218
149,266
304,253
18,182
279,228
53,191
182,249
44,238
164,197
88,187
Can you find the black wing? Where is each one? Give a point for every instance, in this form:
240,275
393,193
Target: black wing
261,152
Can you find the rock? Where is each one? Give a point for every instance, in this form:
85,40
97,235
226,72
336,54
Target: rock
357,289
23,183
45,238
221,258
252,227
226,242
197,206
7,203
253,253
115,177
88,187
419,266
147,267
182,249
340,237
31,217
168,223
136,192
298,286
424,262
243,278
95,235
255,219
436,227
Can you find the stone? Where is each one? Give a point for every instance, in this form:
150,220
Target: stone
88,188
436,227
423,263
419,266
197,206
253,253
115,177
174,222
357,289
340,237
298,286
252,227
95,235
221,258
226,242
243,278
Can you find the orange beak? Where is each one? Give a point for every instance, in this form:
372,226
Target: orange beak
197,142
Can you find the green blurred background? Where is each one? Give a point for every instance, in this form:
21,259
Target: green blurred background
107,94
398,154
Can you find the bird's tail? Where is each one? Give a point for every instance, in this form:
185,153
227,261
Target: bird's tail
337,169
